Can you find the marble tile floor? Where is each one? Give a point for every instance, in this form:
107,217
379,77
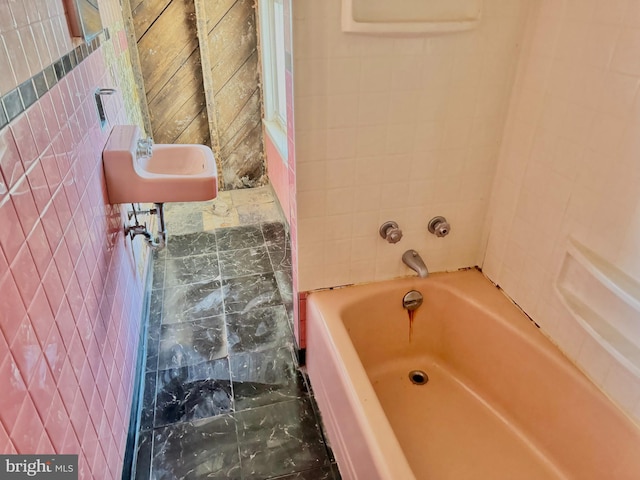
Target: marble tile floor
228,209
223,396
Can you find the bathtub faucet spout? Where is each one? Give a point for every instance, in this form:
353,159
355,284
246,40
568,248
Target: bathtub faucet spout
412,259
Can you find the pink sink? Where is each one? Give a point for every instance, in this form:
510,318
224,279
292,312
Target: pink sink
172,173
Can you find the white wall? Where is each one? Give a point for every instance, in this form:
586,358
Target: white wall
570,166
396,129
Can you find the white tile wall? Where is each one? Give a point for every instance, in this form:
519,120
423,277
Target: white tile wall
396,129
569,166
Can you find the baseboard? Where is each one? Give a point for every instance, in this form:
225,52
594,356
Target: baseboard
128,467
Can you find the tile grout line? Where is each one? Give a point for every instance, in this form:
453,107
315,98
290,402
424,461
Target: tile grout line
225,329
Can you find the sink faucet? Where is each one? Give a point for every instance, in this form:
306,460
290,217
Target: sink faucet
412,259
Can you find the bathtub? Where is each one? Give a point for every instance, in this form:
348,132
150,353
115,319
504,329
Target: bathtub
501,401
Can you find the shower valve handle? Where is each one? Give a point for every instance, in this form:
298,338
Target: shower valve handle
390,232
439,226
145,147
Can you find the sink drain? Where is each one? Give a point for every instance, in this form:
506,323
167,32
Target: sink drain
418,377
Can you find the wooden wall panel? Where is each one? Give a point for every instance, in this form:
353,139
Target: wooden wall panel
233,56
169,52
236,92
215,11
180,94
232,41
145,13
197,131
245,121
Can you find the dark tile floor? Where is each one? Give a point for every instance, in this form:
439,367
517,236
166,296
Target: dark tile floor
223,395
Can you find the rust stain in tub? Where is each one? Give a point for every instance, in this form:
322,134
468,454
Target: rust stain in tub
411,317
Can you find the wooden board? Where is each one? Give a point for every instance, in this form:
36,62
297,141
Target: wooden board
232,46
144,13
171,69
215,11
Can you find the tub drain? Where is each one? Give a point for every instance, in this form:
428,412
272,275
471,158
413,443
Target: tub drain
418,377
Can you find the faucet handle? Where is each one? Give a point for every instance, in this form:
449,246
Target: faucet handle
145,147
390,232
439,226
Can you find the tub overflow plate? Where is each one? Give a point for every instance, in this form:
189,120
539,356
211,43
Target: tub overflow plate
412,300
418,377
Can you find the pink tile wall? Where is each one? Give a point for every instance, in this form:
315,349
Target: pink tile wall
278,176
70,298
33,34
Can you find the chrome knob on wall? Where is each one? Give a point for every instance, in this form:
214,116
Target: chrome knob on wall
439,226
145,147
390,232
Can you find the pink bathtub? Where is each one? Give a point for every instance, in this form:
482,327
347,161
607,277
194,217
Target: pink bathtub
501,402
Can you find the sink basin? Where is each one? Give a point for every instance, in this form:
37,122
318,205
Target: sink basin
172,173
